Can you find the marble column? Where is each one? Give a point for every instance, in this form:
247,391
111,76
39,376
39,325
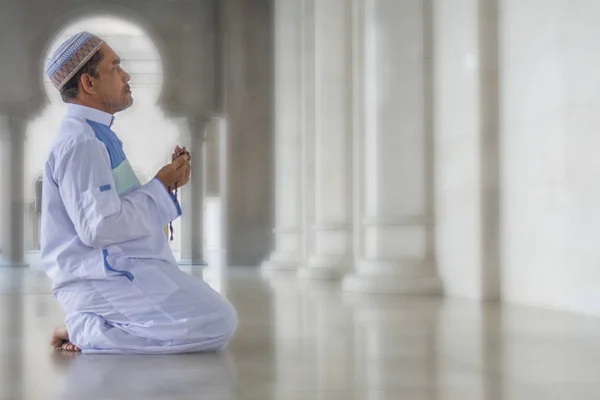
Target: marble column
397,161
489,41
332,141
215,220
308,165
192,135
287,103
198,129
12,141
5,195
212,158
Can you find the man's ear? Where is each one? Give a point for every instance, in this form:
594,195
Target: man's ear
87,84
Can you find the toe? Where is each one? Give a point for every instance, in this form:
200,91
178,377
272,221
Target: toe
70,347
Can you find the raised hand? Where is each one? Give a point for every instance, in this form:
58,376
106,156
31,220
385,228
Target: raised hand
179,151
177,173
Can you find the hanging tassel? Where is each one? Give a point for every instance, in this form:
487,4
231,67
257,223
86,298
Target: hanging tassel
175,192
171,223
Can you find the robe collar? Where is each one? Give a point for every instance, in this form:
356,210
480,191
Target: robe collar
79,111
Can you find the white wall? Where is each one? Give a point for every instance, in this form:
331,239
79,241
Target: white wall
550,138
457,130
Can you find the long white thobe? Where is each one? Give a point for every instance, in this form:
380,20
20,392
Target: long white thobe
104,248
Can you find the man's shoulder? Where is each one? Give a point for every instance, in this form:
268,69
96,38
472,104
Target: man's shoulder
72,133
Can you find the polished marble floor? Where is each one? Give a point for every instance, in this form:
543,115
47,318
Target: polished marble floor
300,341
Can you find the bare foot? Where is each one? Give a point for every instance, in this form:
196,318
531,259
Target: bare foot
59,335
68,346
60,340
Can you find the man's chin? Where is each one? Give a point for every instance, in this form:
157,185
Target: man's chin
127,103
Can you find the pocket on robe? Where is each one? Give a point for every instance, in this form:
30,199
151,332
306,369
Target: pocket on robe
96,204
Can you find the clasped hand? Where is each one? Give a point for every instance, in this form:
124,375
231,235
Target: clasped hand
177,173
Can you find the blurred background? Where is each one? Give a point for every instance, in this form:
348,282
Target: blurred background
186,94
440,148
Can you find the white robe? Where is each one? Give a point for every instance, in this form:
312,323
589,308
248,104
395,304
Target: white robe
104,248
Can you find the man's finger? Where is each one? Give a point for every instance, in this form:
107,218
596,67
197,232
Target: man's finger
181,175
186,171
187,174
181,161
183,150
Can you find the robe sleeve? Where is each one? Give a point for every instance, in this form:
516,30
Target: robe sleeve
102,218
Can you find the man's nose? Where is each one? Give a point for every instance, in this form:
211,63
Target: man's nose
126,76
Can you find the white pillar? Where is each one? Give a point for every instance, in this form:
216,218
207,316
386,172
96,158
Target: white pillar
184,139
332,141
214,194
467,144
488,20
287,54
12,139
308,165
192,196
5,195
198,130
397,237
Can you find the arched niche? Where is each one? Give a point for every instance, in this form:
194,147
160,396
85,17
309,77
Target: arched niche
83,13
187,35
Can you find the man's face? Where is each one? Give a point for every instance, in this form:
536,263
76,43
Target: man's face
113,88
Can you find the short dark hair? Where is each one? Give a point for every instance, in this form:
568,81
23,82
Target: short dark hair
70,90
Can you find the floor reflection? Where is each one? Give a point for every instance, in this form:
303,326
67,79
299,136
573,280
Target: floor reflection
98,377
310,340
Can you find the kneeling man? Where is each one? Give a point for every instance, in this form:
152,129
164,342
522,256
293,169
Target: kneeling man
103,243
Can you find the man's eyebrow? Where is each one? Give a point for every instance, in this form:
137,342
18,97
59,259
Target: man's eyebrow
116,61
